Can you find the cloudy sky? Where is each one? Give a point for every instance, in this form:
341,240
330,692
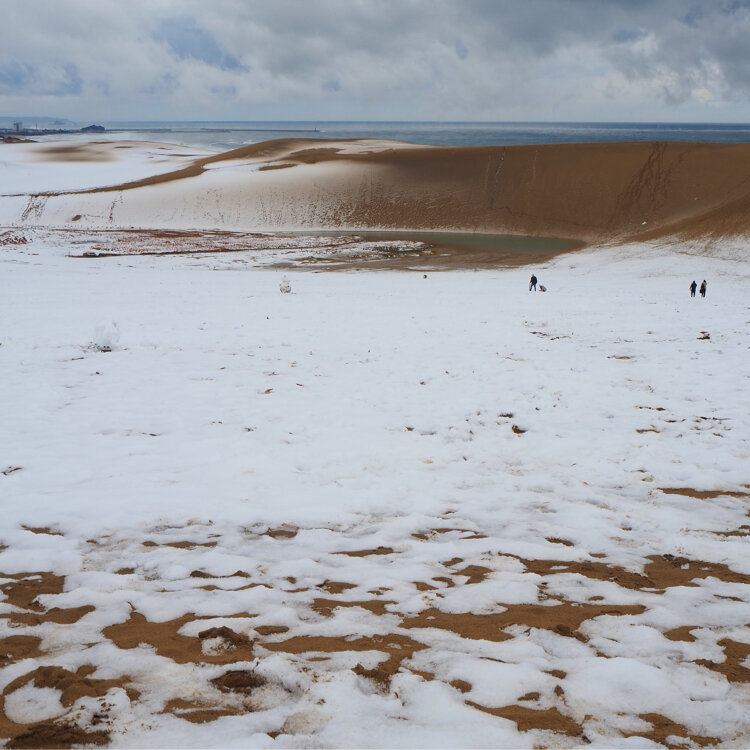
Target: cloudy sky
541,60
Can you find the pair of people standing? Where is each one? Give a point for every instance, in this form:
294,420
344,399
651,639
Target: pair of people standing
703,288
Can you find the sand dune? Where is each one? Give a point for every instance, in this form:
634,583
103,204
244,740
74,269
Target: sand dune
588,192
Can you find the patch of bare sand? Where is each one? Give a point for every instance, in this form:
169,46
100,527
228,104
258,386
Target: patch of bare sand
702,494
742,530
53,734
239,681
326,607
55,614
17,647
167,641
526,719
24,588
270,629
336,587
237,687
99,151
367,552
396,647
61,732
681,634
196,712
283,532
74,152
557,540
473,573
178,545
13,238
461,685
564,618
664,731
465,533
42,530
732,667
203,574
661,573
72,685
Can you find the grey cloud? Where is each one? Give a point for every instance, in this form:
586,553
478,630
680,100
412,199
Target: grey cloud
164,85
14,76
628,35
469,59
461,49
332,85
704,50
187,40
72,83
64,80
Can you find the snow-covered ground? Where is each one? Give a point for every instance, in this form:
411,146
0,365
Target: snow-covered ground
383,510
38,167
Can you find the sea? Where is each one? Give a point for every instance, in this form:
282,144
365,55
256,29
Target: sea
223,136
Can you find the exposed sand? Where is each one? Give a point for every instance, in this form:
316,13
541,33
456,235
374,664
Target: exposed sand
226,638
66,152
588,192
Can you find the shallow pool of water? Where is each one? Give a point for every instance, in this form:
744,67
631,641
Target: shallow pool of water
451,249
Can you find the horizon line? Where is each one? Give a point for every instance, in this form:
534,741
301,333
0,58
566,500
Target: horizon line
399,122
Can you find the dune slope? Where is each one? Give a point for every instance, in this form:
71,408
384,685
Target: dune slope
589,192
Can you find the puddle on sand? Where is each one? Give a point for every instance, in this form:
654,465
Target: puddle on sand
437,250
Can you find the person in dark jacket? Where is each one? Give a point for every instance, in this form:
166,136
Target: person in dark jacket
693,287
703,288
532,283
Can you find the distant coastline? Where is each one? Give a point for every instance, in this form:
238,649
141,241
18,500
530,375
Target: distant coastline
224,135
26,132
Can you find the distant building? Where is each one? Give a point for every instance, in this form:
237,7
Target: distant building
18,126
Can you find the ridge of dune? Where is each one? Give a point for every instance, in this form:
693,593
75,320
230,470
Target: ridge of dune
267,154
591,192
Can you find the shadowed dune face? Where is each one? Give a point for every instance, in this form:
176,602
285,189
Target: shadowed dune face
587,192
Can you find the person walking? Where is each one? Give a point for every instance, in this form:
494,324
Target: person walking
693,287
532,283
703,288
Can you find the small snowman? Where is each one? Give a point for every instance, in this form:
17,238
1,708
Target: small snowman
285,287
106,336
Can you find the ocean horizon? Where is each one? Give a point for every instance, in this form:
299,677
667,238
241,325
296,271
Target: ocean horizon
223,135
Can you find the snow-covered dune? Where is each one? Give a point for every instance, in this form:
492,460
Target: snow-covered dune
29,168
588,192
